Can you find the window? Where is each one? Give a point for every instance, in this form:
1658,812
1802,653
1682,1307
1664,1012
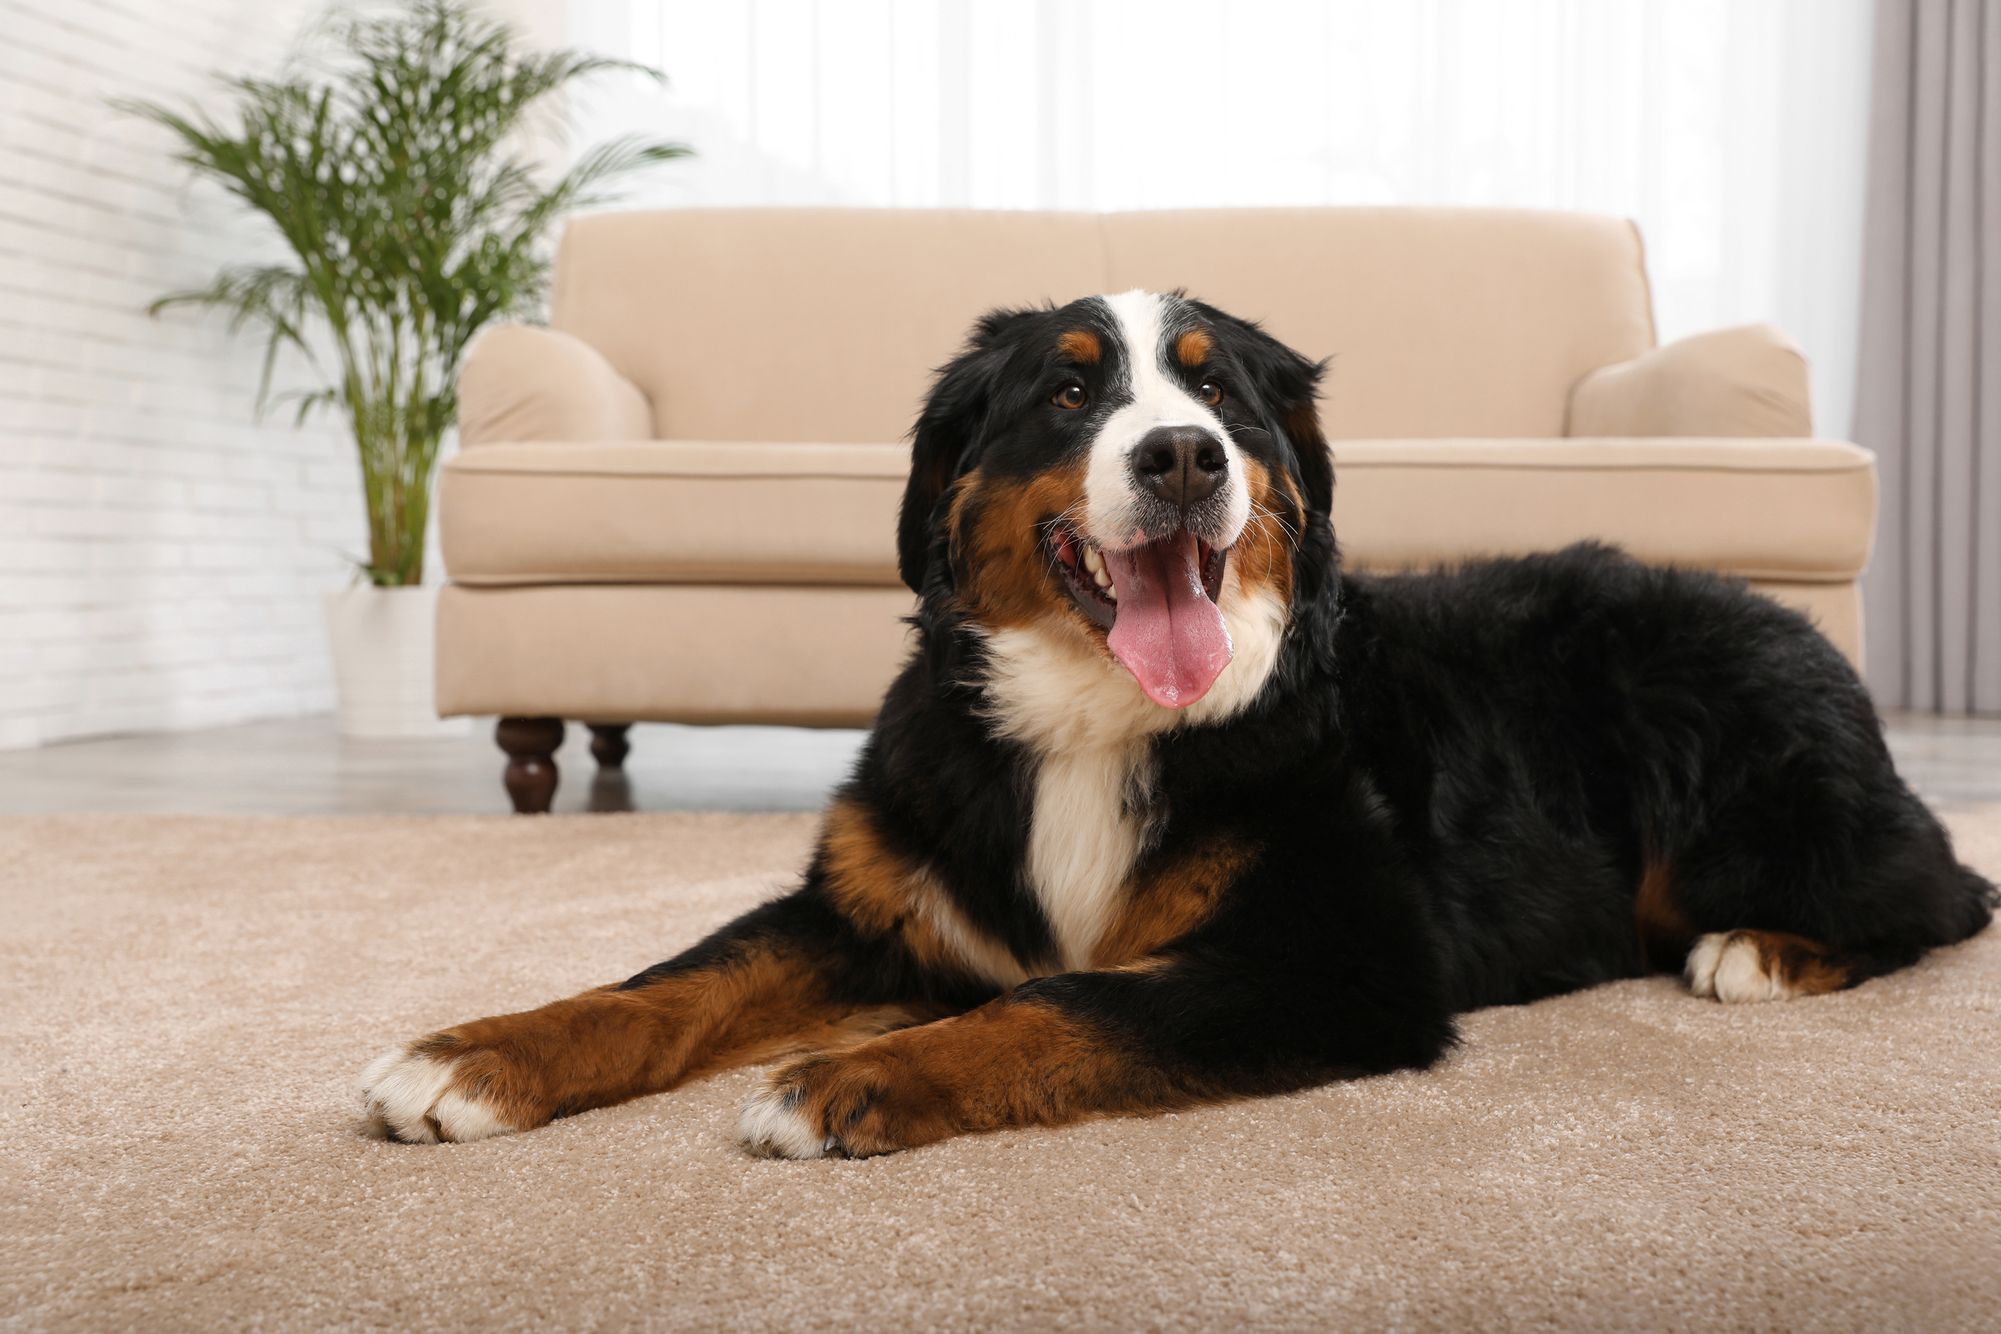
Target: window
1734,132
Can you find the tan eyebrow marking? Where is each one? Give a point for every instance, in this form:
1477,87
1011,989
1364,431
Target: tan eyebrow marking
1080,345
1193,347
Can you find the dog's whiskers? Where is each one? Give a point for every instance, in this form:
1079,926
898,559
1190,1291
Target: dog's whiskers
1069,517
1262,513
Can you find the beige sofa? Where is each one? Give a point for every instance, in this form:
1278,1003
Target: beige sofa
677,502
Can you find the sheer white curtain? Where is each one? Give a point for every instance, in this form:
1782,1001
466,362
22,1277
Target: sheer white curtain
1733,130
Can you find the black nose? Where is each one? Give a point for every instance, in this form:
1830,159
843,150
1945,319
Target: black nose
1183,465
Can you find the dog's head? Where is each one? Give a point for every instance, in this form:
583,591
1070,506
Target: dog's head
1132,474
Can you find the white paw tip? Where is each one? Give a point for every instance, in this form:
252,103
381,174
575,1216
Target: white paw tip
1700,970
408,1097
772,1126
1730,968
466,1119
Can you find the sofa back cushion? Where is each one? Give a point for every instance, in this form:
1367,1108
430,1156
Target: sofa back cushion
1438,322
825,324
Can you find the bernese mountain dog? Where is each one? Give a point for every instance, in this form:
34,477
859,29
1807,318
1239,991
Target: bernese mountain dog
1166,807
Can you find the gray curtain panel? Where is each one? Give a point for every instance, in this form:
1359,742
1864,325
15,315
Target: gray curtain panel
1928,395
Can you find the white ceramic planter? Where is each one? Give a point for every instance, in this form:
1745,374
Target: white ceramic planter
384,650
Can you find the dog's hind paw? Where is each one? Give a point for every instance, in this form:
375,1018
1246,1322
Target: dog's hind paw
1736,967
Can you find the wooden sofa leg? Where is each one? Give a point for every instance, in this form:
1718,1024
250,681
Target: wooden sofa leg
609,744
531,745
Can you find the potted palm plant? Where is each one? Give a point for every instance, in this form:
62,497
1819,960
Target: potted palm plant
392,164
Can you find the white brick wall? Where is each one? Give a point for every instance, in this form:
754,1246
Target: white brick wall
162,553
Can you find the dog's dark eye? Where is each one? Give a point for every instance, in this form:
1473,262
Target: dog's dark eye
1071,396
1211,392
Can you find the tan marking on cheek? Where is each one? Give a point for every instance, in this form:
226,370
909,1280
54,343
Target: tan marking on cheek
1081,345
1166,902
1292,493
1263,553
963,493
999,552
1193,348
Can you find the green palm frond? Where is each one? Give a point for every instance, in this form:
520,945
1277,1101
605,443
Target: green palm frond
277,297
387,167
583,186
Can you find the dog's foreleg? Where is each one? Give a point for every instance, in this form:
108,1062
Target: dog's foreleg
791,975
1154,1036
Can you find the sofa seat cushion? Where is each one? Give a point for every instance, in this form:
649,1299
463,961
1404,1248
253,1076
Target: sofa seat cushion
750,513
674,511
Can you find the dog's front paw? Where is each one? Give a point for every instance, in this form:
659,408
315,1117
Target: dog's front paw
851,1104
439,1090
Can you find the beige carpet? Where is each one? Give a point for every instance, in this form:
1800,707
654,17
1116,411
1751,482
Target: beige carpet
183,1003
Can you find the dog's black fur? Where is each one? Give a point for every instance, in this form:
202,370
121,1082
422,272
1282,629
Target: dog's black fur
1452,791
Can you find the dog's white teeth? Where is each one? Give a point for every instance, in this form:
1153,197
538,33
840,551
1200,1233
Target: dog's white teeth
1104,580
1095,563
1111,592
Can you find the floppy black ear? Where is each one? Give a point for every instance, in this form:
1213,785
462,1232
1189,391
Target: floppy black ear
1287,386
944,443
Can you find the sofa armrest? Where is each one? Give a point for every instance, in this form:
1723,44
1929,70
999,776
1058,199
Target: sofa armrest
1747,381
520,382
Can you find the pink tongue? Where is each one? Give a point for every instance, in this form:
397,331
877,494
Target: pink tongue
1167,632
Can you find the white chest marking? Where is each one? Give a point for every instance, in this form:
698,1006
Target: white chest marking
1083,842
1055,689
